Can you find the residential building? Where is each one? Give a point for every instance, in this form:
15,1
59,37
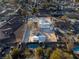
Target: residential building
45,24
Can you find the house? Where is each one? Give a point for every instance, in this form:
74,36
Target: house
3,35
45,25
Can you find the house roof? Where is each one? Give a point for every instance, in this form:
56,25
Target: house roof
2,35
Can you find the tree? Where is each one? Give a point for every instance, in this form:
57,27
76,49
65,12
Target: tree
38,53
56,54
48,52
68,55
7,56
15,53
76,0
28,53
45,5
34,10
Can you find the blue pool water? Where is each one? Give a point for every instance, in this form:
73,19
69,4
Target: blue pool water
76,48
33,46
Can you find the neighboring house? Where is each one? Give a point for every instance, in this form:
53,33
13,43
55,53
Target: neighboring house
45,25
3,35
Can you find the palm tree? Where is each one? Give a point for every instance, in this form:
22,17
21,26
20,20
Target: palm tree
47,52
56,54
15,53
28,53
7,56
38,53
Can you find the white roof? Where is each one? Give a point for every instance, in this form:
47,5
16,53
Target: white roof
35,37
40,38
